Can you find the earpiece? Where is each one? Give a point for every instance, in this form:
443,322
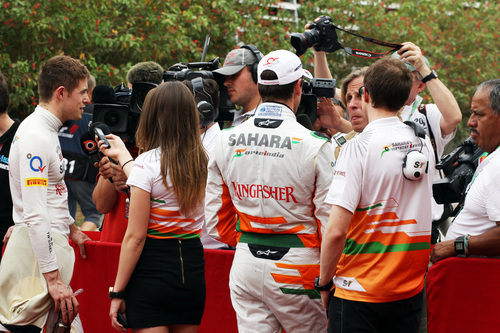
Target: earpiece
415,163
256,53
206,109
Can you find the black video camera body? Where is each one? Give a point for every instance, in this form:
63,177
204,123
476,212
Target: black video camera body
121,113
321,35
458,167
311,90
184,71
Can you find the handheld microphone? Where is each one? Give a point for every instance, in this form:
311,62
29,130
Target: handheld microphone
89,147
100,130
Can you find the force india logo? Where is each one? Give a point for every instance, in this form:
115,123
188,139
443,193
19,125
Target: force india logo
261,140
405,145
36,182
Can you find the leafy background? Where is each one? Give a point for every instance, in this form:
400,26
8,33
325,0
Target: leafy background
460,38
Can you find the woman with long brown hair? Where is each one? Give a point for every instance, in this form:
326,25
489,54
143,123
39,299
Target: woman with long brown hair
160,284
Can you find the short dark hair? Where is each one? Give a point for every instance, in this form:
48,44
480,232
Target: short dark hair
148,71
4,94
60,71
389,82
494,85
269,93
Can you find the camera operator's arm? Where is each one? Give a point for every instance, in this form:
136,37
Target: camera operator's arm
442,96
105,191
321,69
486,244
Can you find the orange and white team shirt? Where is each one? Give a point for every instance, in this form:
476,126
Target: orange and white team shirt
388,240
165,220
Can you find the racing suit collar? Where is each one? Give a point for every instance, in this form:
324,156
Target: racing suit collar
52,121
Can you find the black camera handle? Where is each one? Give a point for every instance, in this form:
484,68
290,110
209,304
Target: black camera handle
368,54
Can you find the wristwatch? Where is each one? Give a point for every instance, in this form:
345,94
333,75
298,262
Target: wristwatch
115,294
460,245
325,287
432,75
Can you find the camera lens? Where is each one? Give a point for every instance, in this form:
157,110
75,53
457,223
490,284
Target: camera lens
299,43
302,41
111,118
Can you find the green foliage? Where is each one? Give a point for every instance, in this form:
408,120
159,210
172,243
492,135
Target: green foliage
460,38
110,36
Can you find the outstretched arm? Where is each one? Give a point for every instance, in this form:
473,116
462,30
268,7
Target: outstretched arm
442,96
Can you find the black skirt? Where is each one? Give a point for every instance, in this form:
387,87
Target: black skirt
167,286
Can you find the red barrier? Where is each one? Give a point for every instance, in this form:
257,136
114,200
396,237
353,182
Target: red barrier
96,274
463,295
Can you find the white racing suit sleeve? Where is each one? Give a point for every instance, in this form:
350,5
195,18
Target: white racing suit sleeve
324,172
220,214
34,173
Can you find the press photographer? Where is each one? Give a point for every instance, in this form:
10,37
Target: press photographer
120,108
476,229
110,193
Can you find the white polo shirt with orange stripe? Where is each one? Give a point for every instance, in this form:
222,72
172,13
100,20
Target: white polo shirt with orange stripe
388,239
166,220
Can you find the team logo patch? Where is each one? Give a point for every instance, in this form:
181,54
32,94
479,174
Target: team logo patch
36,182
403,145
238,153
270,111
36,163
348,283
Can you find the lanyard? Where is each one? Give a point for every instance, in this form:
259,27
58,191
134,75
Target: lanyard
414,106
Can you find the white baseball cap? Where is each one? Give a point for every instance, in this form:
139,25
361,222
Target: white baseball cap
285,64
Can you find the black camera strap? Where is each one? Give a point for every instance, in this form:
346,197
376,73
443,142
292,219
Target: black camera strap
368,54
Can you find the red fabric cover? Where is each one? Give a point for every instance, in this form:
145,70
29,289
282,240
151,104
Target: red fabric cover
96,274
463,295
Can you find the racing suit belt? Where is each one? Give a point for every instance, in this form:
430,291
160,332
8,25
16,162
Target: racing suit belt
281,240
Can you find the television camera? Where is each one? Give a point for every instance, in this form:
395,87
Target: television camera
458,167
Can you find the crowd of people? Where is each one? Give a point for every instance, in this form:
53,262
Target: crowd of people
331,226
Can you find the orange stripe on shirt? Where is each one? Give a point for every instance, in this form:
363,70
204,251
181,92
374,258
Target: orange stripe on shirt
165,212
227,218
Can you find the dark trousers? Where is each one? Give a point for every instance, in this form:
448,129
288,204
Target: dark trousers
345,316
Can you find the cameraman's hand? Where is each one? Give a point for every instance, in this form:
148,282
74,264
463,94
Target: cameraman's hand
329,116
443,250
413,55
106,168
117,150
120,179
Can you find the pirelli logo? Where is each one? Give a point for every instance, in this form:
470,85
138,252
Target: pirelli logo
36,182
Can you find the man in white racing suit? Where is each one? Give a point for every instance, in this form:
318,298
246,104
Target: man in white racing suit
38,262
268,181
